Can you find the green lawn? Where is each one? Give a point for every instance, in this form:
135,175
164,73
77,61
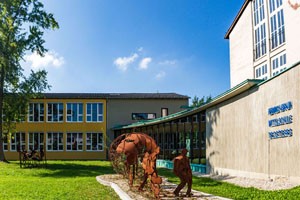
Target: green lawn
224,189
60,180
76,180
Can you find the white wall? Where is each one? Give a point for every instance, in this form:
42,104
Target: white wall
292,21
241,49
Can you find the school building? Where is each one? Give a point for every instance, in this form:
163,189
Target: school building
78,125
252,129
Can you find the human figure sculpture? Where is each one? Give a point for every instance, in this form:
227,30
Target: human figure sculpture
182,169
135,146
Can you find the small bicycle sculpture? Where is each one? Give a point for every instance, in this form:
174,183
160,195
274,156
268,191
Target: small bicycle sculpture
131,149
32,158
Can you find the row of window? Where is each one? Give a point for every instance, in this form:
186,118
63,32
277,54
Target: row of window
261,72
74,112
278,64
276,21
54,141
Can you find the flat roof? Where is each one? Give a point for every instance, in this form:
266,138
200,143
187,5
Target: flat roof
236,19
112,96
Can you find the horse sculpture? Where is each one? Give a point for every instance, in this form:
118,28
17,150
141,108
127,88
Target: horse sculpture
137,147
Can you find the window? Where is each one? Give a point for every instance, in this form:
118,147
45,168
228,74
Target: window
74,112
5,147
260,48
143,116
36,112
17,141
278,63
94,112
94,142
74,142
55,112
164,112
261,72
35,141
55,142
277,23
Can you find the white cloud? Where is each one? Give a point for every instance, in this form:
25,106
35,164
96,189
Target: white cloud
50,59
144,63
168,62
123,62
160,75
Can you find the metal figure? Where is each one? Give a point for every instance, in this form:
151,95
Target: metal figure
137,146
182,169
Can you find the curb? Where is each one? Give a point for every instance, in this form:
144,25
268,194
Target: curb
117,189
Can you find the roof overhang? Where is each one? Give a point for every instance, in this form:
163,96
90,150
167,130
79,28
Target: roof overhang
244,6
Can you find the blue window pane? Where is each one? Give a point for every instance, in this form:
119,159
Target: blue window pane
80,108
100,108
88,108
89,118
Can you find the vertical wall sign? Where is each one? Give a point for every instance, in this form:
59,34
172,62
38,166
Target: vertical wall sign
280,121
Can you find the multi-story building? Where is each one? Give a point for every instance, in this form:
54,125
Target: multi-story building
264,39
253,129
77,126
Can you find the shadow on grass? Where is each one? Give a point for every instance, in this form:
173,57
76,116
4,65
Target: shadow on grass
202,182
73,169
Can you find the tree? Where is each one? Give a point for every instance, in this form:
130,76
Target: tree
22,23
199,102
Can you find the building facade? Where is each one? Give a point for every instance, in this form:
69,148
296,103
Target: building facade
256,132
267,33
77,126
253,129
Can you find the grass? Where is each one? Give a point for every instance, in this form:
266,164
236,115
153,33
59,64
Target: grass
76,180
60,180
228,190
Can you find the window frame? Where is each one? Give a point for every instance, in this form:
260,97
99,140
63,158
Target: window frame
91,115
40,115
277,24
134,116
52,141
162,112
40,142
79,113
281,63
71,143
99,142
261,71
260,35
14,142
60,116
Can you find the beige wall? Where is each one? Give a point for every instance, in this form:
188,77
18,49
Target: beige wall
120,110
237,131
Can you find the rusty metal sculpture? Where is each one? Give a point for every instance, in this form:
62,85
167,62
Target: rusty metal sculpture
182,169
128,150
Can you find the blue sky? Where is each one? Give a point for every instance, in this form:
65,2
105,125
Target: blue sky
119,46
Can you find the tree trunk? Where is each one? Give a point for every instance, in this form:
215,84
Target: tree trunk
2,156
